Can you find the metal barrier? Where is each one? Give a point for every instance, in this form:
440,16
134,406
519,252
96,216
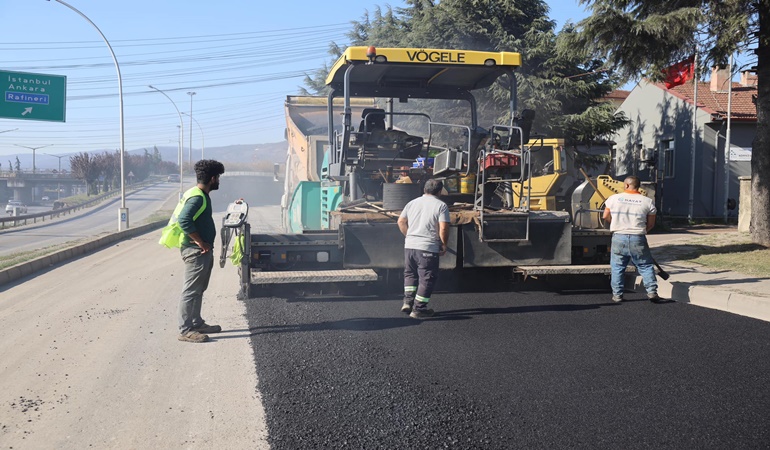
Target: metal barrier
14,221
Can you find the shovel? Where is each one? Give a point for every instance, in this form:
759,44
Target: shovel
661,273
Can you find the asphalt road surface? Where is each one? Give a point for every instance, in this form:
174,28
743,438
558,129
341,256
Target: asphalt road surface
88,222
510,370
143,203
89,358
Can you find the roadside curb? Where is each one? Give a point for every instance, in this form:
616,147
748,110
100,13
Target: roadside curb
62,256
709,297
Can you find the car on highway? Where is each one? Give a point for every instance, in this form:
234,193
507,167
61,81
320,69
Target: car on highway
173,178
20,207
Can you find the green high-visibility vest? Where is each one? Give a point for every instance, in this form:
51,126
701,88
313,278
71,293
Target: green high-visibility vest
172,234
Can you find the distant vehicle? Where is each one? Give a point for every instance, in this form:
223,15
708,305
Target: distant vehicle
46,198
19,206
173,178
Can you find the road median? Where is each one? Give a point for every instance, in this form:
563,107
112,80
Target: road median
31,267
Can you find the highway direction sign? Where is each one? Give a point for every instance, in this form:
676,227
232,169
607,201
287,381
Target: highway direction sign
32,96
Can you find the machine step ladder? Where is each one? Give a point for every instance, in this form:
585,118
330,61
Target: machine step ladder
512,225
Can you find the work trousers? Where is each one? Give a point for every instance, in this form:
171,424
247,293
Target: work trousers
420,275
197,272
631,248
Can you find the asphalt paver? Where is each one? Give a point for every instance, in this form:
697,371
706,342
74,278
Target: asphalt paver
531,369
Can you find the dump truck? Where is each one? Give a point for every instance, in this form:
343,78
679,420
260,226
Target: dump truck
394,118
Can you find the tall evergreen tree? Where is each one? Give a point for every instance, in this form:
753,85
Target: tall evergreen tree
642,37
562,86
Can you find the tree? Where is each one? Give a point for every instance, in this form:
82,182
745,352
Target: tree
642,37
562,86
140,166
109,167
86,168
157,160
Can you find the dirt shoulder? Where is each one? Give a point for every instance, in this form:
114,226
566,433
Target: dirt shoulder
90,358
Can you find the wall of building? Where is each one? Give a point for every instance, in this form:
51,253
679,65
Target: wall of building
658,117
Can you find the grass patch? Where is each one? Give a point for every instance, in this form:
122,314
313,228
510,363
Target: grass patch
22,257
748,259
159,215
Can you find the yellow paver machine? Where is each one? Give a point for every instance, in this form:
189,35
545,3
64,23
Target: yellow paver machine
394,118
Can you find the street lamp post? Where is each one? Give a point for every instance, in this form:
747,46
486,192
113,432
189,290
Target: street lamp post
181,136
123,211
191,117
57,156
58,174
33,153
203,146
180,156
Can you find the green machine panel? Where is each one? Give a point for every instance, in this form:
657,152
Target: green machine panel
305,207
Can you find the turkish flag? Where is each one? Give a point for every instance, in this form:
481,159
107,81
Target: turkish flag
680,73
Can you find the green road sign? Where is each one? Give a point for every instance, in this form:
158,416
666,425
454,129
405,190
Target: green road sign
32,96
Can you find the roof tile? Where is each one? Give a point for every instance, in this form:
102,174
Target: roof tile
743,107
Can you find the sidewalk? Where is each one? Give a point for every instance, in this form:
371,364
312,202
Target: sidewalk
704,286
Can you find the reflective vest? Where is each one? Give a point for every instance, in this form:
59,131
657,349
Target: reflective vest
171,236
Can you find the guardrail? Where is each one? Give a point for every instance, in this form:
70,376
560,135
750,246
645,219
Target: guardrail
242,173
15,221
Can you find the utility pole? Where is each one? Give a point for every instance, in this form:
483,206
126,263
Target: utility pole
203,140
727,140
181,138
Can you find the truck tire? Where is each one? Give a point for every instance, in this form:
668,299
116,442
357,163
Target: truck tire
396,195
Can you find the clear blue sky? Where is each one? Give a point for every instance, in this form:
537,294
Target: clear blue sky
240,57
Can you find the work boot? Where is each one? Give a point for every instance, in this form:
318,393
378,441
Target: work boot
655,298
421,313
193,336
205,328
408,304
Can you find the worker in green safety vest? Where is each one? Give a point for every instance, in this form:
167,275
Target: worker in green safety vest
197,242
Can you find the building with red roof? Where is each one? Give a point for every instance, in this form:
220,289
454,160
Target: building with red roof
658,146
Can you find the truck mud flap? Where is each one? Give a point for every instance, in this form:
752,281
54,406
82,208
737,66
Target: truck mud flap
550,243
380,245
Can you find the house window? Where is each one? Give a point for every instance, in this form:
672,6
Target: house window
668,159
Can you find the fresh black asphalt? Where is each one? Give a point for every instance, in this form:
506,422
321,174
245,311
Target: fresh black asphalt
531,369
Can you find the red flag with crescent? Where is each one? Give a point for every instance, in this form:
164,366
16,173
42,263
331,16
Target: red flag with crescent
680,73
